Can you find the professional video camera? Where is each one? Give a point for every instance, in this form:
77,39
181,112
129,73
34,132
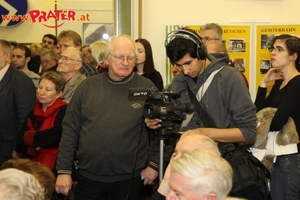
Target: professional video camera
161,105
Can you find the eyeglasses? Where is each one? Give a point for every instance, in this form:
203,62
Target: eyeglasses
206,39
277,49
120,59
65,58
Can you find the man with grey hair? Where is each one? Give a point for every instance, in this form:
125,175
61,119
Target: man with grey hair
200,174
69,65
187,143
48,60
17,99
211,33
70,38
108,126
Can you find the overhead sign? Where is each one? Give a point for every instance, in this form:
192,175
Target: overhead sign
14,9
51,14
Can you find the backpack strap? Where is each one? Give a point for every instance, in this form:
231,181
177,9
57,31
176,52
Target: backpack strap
195,99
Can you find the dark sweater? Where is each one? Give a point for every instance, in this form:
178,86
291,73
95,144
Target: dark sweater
106,125
286,100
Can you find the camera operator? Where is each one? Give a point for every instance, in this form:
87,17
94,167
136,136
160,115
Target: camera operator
226,100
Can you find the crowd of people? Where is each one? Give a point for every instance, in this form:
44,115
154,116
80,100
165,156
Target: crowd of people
68,121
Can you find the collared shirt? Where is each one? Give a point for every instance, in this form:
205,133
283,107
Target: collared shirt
88,70
34,77
3,71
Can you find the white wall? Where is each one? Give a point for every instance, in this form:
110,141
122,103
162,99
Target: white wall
158,13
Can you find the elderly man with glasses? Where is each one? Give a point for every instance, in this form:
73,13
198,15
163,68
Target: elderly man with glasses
70,38
69,65
108,126
211,33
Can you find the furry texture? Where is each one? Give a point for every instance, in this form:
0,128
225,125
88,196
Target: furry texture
287,135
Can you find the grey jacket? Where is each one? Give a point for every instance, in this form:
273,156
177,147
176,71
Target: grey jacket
227,100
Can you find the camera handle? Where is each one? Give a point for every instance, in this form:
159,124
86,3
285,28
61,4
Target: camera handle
167,127
161,160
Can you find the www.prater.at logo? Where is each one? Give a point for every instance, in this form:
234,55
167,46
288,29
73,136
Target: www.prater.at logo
12,8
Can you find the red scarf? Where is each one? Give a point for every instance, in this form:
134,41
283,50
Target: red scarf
47,118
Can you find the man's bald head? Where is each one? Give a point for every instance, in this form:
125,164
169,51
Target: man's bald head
188,143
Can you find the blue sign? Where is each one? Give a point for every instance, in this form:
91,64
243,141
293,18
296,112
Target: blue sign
13,12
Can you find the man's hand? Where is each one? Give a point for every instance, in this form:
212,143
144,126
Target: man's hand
63,183
153,123
14,154
191,132
148,175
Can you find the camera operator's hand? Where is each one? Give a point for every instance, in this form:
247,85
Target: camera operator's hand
153,123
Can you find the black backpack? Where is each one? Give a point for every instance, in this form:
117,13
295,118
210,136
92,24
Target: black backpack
247,169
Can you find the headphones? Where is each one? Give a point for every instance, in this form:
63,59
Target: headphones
188,35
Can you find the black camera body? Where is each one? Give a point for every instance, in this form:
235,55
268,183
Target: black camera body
161,105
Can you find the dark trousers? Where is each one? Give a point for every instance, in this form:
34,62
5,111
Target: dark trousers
87,189
6,148
285,181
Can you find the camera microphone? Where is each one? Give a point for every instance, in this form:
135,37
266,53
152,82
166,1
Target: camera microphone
137,92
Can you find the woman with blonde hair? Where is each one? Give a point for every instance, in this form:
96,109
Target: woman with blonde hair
98,51
36,49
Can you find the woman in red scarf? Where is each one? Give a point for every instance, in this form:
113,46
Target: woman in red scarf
40,135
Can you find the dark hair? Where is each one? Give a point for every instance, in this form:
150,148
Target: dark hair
292,44
13,43
53,37
149,63
178,47
25,49
280,37
85,46
55,78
